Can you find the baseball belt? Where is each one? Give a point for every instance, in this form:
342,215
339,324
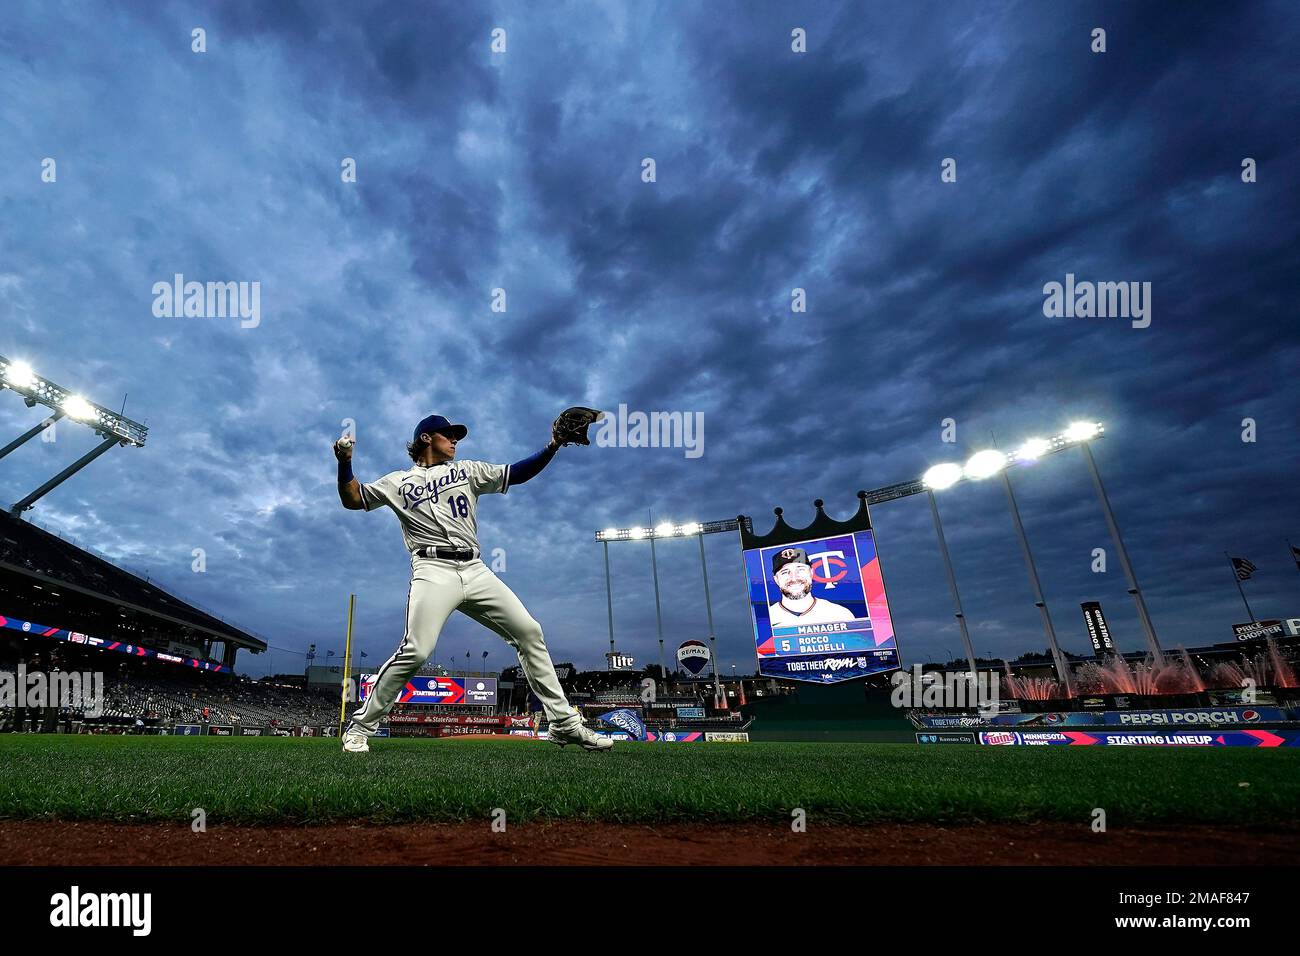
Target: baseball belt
449,554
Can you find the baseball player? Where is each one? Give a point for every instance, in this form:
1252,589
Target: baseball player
793,575
435,499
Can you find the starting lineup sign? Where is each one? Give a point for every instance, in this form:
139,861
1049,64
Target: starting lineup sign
1131,738
479,691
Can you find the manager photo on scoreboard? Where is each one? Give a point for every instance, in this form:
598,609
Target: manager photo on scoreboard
792,574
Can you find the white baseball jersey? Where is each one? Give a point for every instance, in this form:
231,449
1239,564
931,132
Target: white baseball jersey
437,505
821,612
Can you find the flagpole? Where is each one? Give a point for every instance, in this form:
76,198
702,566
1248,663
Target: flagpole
1240,589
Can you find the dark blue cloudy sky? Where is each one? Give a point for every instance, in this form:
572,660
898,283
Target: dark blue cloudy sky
775,171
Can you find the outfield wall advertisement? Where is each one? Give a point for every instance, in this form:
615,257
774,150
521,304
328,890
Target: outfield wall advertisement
1119,738
476,691
1188,717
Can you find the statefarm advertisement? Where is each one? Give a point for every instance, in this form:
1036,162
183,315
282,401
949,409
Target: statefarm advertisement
819,609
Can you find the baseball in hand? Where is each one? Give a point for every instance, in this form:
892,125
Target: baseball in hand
343,447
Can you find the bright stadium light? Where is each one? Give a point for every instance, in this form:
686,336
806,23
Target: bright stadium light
1082,431
113,428
667,529
37,390
1033,449
985,464
942,476
77,407
20,375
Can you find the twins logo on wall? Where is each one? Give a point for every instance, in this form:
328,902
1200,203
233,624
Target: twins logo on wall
817,599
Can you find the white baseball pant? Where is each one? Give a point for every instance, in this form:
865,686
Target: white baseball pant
438,587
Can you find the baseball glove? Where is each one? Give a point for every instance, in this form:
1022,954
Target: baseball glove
571,427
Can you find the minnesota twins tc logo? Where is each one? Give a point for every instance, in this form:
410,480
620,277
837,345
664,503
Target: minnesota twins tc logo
828,560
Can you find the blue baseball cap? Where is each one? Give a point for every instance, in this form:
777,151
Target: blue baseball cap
436,423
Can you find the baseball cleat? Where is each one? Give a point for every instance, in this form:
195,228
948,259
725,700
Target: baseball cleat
578,734
355,742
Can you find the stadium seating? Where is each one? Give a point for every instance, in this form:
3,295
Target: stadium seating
97,596
167,694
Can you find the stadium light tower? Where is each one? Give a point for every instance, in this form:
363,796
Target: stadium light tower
1084,432
113,427
663,530
696,529
952,586
708,607
990,463
1040,602
609,600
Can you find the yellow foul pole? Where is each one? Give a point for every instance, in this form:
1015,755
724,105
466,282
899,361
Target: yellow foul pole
347,663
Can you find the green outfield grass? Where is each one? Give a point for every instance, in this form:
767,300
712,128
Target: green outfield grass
283,780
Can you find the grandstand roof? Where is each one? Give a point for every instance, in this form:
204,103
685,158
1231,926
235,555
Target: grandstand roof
33,553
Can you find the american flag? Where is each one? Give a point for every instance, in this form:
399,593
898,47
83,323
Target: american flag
1244,568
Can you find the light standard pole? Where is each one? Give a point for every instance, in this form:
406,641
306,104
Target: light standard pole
1153,643
609,602
1062,671
659,616
708,606
952,585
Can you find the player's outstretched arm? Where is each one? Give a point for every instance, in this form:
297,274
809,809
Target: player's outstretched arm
569,429
529,467
349,487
